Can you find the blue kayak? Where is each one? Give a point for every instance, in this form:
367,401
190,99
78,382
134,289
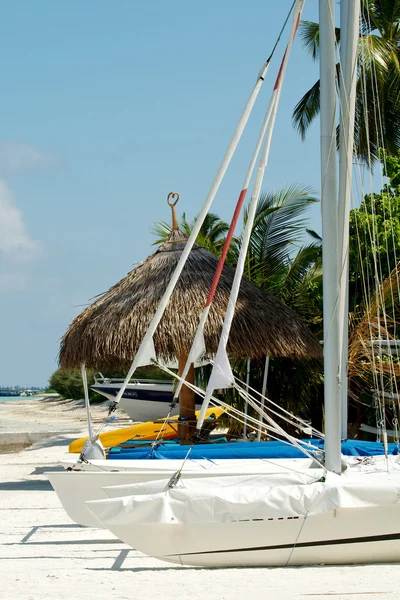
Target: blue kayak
243,450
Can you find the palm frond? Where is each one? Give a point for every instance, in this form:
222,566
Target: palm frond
278,227
309,32
314,235
162,230
375,56
307,109
379,15
378,80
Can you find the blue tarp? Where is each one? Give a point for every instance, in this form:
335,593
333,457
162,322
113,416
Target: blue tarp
242,450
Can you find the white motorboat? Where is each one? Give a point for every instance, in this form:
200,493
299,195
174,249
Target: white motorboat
142,399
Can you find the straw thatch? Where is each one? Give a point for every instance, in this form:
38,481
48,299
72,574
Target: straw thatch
107,334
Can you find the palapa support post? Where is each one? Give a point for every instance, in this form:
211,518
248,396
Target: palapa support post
187,413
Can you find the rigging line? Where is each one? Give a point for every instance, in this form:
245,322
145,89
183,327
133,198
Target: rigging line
343,96
375,104
379,129
297,539
146,348
234,412
367,312
267,429
371,234
282,432
282,30
365,283
277,406
245,395
198,345
377,108
366,289
261,411
376,258
221,352
163,429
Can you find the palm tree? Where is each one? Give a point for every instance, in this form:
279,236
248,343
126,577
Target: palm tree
277,237
377,117
211,235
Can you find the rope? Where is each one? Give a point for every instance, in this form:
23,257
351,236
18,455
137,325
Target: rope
297,539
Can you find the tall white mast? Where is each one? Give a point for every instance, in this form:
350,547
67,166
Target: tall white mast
349,33
221,375
146,352
329,235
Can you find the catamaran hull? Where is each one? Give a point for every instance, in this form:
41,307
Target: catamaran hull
74,488
170,466
341,536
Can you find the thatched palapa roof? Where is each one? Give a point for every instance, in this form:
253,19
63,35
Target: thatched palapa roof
108,333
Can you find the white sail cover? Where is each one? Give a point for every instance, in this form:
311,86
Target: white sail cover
250,497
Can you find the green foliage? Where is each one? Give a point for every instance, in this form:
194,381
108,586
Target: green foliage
278,231
375,236
69,383
377,116
211,235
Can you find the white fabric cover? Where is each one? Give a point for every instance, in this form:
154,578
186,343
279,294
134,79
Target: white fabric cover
251,497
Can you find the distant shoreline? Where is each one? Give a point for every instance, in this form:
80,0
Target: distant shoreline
28,398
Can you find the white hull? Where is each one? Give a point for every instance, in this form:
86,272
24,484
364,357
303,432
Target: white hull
143,400
264,521
170,466
140,402
341,536
74,488
145,410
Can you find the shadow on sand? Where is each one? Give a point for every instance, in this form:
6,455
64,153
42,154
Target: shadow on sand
22,486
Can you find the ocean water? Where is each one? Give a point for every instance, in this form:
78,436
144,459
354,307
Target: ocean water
18,398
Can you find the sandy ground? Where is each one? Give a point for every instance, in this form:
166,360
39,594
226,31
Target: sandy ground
51,412
44,555
26,421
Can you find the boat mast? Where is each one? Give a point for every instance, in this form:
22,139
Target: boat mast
146,352
329,236
349,28
221,375
87,403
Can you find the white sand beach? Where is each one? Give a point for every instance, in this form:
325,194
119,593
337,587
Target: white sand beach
44,555
23,422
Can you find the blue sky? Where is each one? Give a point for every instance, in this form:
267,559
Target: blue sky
106,107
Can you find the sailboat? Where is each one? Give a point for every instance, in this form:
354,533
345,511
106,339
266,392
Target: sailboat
70,486
334,513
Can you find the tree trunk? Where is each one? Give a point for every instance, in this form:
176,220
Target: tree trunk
187,416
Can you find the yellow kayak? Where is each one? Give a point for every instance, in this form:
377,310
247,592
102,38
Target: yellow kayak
142,431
